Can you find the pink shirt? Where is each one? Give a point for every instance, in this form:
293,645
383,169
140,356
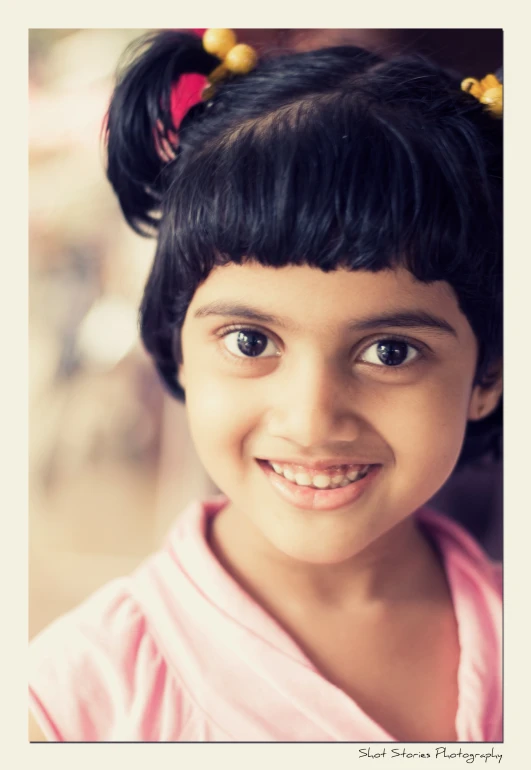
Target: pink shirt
179,652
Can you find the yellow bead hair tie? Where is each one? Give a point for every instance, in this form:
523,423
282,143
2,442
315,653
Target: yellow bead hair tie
236,59
488,91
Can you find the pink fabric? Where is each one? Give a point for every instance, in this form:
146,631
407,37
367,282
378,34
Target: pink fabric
179,652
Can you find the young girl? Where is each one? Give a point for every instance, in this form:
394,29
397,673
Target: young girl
326,295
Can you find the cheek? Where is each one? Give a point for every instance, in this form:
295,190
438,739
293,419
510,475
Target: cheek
221,416
425,430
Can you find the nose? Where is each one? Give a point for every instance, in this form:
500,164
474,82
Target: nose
313,405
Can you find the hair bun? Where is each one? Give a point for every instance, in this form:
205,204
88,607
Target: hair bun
161,80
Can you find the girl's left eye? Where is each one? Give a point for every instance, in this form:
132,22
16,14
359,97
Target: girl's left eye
390,353
249,343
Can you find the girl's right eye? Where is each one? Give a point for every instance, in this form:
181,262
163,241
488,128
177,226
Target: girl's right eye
249,343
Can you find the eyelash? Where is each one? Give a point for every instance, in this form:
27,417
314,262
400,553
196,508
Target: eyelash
419,350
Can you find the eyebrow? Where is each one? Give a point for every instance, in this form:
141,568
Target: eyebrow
411,319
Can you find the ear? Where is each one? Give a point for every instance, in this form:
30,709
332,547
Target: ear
178,358
180,376
485,398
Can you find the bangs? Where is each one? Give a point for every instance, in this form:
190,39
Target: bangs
334,183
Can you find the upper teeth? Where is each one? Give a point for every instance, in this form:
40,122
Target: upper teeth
320,479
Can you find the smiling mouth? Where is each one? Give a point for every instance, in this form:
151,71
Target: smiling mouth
319,489
331,478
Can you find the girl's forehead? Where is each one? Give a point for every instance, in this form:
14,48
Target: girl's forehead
300,291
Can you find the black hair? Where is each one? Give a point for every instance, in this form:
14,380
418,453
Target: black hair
330,158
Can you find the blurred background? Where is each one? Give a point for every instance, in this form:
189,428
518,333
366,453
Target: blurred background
111,461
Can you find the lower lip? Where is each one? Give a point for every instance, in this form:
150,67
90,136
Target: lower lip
309,498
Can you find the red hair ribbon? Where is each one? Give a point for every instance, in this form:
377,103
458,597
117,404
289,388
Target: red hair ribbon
186,92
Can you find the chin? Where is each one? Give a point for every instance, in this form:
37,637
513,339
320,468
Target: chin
317,541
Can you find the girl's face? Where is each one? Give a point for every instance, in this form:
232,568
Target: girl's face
311,370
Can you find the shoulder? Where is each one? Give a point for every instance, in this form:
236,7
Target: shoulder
95,667
105,620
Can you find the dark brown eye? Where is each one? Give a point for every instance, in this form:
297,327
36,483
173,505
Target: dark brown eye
390,352
250,344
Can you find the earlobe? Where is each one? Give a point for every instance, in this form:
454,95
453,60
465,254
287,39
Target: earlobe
180,376
484,400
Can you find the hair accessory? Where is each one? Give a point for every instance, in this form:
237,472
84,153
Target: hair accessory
488,91
238,59
185,93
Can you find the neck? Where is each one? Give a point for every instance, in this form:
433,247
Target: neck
400,565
